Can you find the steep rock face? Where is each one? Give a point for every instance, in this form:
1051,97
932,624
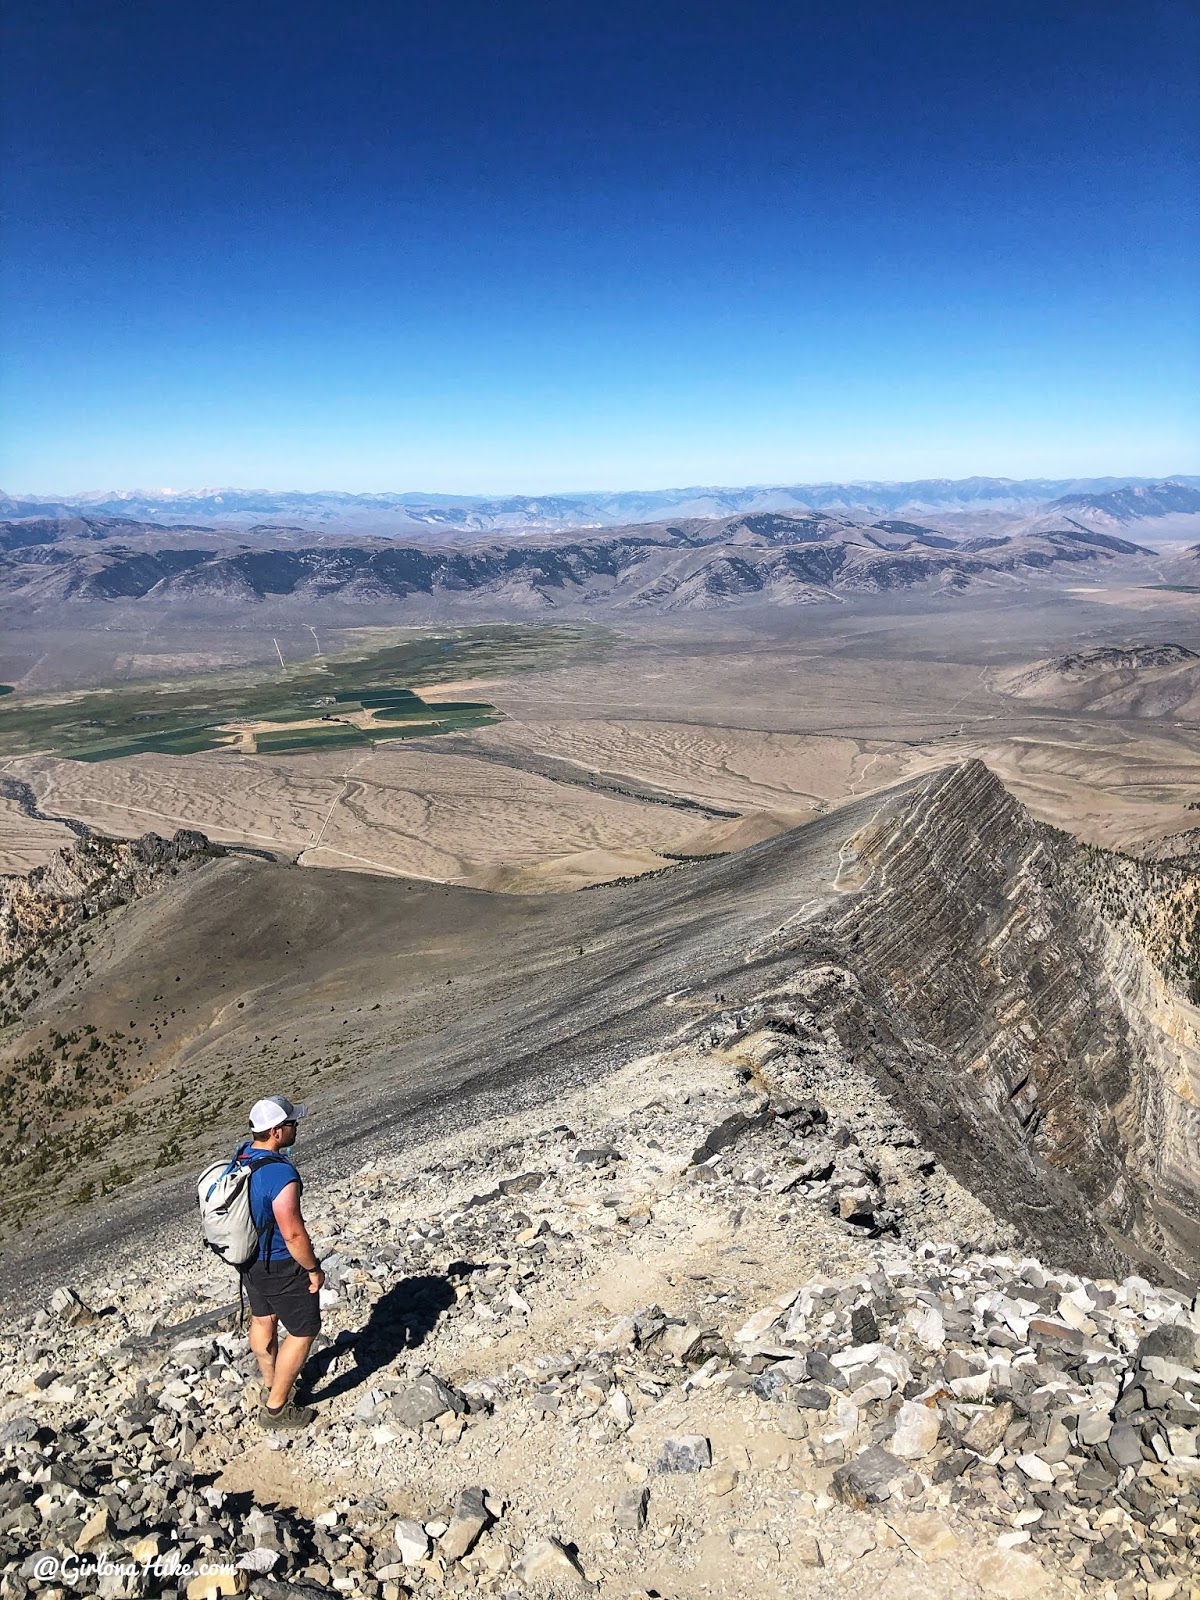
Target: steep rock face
1042,1053
90,876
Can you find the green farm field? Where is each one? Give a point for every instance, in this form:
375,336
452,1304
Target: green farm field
183,719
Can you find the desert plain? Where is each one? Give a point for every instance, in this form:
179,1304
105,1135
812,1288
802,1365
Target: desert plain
625,748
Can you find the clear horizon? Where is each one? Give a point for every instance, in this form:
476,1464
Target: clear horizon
503,247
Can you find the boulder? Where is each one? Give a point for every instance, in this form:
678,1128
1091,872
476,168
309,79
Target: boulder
856,1206
727,1133
869,1479
424,1400
684,1452
1172,1341
468,1520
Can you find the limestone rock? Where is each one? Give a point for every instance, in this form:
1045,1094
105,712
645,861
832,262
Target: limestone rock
411,1540
869,1478
1011,1575
546,1561
927,1534
987,1428
685,1452
630,1513
94,1531
1175,1342
424,1400
917,1429
807,1551
70,1309
470,1517
211,1585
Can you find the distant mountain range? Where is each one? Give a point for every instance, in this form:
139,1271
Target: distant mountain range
1136,501
695,563
454,517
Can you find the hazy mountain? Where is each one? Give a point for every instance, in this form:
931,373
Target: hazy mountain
468,515
1134,502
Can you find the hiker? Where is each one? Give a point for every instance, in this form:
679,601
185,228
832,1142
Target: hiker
283,1284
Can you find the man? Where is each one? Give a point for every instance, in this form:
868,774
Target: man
284,1283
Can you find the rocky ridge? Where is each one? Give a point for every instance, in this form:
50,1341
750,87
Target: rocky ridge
1029,997
95,874
685,1332
1013,991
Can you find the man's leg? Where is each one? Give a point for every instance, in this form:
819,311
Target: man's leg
264,1341
289,1358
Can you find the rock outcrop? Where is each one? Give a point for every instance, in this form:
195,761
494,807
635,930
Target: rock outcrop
1029,1001
93,875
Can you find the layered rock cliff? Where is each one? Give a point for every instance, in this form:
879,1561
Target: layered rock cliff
1028,1001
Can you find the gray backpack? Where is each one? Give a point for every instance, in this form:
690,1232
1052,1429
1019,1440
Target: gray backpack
225,1216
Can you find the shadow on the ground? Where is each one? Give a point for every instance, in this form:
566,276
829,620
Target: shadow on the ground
401,1319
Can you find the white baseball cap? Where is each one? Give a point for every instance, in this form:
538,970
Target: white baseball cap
269,1113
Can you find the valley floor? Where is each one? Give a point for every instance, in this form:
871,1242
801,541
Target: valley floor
664,739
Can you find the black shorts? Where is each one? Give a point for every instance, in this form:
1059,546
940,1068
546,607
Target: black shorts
281,1290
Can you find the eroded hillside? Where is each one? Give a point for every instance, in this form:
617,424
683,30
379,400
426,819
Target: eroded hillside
64,1076
1147,680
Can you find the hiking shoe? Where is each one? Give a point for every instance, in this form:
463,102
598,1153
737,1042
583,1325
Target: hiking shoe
289,1415
264,1393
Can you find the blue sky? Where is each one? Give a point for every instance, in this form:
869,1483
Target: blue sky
515,246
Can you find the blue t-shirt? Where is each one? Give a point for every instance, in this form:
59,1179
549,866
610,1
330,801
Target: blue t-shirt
266,1185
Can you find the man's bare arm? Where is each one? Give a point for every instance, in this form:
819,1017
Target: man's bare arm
295,1235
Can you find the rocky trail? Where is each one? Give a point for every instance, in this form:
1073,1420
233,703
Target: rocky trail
698,1334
